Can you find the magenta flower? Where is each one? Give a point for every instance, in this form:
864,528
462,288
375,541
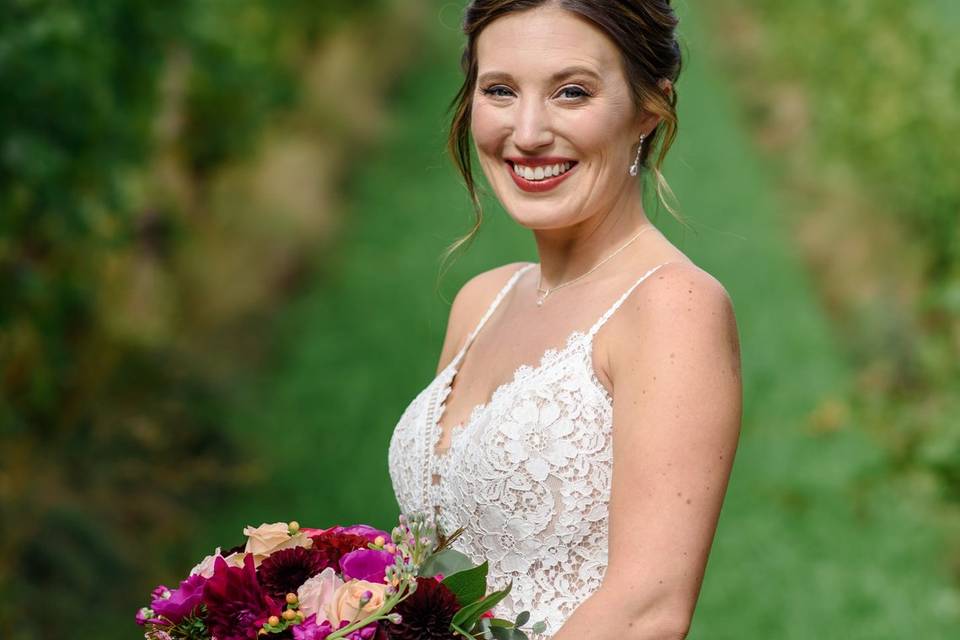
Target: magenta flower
181,602
236,605
145,615
366,564
310,630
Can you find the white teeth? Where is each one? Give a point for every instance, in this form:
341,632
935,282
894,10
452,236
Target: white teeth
541,172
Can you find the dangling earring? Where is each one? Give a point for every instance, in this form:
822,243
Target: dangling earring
635,167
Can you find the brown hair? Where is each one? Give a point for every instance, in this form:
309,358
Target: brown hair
643,31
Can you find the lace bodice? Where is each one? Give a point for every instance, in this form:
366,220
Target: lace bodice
528,473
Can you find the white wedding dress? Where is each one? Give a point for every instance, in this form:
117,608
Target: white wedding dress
528,474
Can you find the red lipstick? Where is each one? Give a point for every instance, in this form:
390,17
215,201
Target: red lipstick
536,186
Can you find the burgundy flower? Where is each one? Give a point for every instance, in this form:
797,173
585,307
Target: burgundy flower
333,546
426,613
236,605
364,530
283,571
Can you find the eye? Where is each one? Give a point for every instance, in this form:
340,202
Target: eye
574,92
496,91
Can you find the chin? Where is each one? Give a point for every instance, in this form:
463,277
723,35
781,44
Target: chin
541,215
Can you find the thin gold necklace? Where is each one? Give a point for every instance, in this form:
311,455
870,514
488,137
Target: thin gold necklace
547,292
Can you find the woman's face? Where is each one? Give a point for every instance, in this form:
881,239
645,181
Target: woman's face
551,96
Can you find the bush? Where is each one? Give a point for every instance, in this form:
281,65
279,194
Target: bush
874,136
110,429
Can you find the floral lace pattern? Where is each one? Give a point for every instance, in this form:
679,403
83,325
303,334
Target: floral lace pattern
528,474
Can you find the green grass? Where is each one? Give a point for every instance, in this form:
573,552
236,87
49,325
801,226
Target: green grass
815,540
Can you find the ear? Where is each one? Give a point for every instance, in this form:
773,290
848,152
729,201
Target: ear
649,120
666,86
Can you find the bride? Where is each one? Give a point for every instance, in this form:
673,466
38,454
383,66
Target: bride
585,413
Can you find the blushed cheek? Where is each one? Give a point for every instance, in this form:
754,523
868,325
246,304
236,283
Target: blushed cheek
487,129
595,133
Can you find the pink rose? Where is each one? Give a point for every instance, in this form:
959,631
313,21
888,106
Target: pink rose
317,592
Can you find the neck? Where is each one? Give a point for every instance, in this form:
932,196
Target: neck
569,252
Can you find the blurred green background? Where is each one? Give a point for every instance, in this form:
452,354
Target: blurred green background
220,231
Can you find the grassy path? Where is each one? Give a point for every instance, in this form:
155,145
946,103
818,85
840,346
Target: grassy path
813,541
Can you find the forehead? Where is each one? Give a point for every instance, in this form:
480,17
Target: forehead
544,38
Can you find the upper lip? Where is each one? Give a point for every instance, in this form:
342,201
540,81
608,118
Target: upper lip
538,161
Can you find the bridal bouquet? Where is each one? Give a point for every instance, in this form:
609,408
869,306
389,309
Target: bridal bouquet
357,583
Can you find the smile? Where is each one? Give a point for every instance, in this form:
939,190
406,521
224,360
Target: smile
541,174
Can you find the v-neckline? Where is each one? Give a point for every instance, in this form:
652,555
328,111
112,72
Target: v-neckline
523,372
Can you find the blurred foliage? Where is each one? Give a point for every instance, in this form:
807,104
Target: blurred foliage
851,548
857,101
884,79
116,119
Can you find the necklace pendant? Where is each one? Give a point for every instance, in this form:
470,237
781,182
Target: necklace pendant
539,302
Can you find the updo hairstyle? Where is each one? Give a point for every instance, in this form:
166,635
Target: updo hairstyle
644,33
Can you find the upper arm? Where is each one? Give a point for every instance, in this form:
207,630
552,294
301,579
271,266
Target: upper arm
676,423
469,305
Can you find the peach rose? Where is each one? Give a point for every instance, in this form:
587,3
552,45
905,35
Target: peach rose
267,538
346,600
317,592
205,567
236,559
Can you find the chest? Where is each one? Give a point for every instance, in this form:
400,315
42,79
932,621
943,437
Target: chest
542,444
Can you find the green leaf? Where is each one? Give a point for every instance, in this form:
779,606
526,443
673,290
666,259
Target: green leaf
499,633
446,562
463,632
469,586
539,627
468,616
522,619
499,622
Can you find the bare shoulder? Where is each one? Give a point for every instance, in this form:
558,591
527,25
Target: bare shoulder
677,409
679,305
469,305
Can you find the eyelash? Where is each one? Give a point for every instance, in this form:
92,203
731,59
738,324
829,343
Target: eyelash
493,89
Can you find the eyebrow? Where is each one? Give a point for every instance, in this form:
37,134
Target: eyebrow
556,77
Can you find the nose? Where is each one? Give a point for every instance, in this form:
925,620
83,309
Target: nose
532,130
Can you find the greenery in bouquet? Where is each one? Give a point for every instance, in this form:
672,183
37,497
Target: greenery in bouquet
353,583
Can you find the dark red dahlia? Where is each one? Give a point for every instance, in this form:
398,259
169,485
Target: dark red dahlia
283,571
330,547
236,604
426,613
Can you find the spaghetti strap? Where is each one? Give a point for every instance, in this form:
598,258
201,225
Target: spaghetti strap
616,305
493,305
